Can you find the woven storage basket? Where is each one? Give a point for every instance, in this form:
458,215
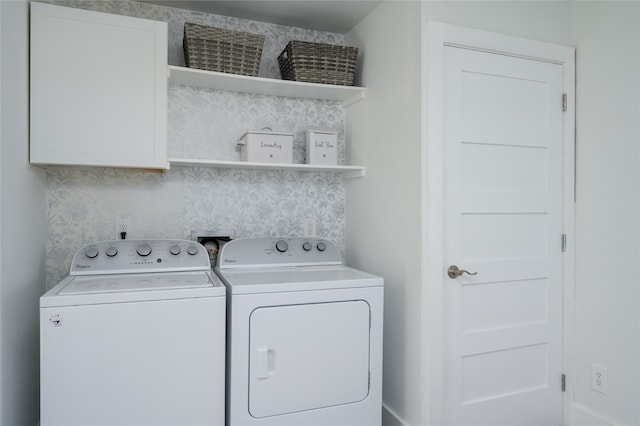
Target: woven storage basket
216,49
318,63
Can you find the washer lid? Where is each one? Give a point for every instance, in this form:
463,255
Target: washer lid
268,280
120,288
135,282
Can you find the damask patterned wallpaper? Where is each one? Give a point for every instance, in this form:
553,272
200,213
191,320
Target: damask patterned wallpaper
83,204
206,124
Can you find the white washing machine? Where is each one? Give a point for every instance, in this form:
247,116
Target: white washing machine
304,335
135,335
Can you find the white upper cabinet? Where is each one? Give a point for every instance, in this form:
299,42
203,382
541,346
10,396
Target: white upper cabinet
98,89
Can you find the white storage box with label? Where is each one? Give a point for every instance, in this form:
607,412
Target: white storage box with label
263,146
321,146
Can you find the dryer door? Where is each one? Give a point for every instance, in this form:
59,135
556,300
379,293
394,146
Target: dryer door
304,357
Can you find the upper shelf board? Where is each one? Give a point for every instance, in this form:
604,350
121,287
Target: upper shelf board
264,86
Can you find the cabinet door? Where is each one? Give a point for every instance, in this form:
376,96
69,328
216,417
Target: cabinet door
98,89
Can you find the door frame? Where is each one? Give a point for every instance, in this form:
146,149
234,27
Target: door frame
435,37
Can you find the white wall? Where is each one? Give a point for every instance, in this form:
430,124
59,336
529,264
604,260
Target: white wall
1,38
383,209
548,21
22,226
607,207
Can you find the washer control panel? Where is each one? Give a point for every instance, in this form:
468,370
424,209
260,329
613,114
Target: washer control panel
137,256
278,251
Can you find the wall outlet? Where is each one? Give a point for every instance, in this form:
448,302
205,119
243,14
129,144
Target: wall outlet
599,378
123,224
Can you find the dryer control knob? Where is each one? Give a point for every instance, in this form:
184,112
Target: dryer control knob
321,246
174,249
111,251
306,246
91,252
282,246
192,250
144,249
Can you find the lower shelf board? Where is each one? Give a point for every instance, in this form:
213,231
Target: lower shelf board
346,171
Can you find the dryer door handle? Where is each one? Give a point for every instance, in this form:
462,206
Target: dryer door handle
265,363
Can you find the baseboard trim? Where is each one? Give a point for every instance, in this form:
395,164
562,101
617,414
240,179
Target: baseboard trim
582,416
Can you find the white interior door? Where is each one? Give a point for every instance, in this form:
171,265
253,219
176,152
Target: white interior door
503,208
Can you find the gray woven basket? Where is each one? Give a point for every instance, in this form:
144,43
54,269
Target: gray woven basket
216,49
318,63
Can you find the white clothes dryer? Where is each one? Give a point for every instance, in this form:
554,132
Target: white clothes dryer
134,335
304,335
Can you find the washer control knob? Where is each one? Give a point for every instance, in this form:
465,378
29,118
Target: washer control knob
321,246
91,252
111,251
192,250
174,249
144,249
306,246
282,246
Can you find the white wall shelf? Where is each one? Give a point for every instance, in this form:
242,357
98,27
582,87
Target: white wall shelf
346,171
348,95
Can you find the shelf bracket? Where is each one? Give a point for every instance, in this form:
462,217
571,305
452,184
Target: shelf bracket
352,174
354,99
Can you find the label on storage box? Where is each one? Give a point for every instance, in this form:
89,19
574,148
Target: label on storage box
321,147
266,147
